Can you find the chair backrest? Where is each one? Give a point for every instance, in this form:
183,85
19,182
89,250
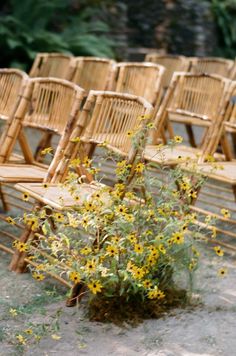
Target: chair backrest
142,79
105,117
51,65
195,95
11,84
172,63
91,73
212,65
47,104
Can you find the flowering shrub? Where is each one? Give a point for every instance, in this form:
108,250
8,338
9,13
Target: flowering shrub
123,245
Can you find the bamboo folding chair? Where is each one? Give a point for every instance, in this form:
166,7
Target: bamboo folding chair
142,79
212,65
172,63
191,99
46,104
103,114
51,65
90,73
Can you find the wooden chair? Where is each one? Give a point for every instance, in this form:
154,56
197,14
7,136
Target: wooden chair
172,63
191,99
99,126
11,84
212,65
46,104
91,73
143,79
51,65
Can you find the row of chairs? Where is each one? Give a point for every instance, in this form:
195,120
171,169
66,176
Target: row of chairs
199,98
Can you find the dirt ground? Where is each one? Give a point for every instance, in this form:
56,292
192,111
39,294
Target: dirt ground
206,329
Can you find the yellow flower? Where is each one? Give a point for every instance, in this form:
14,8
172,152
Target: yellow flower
86,250
156,293
139,167
130,267
130,133
129,217
90,266
162,249
138,273
22,247
87,162
34,223
73,222
85,222
112,250
195,252
28,331
74,276
13,312
46,150
95,286
222,272
25,196
55,337
178,238
121,209
185,186
138,248
210,158
178,139
218,251
147,283
75,140
10,220
38,276
225,213
192,194
75,162
214,232
21,339
115,239
59,217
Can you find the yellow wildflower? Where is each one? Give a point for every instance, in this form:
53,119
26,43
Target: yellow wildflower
178,139
28,331
21,339
38,276
219,251
25,196
162,249
225,213
74,276
22,247
10,220
138,248
86,250
46,150
95,286
59,217
222,272
147,283
178,238
13,312
112,250
90,266
139,167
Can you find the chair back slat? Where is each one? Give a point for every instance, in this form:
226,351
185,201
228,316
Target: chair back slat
11,84
51,65
220,66
142,79
106,117
198,94
46,103
92,73
171,63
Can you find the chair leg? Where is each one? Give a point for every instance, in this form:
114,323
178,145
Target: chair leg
190,135
18,263
5,206
44,142
234,191
227,150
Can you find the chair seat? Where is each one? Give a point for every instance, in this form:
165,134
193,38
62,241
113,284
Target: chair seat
221,171
171,156
57,196
13,173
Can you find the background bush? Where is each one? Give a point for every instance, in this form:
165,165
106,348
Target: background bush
71,26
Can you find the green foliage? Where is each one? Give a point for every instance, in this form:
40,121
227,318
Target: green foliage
29,26
225,16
